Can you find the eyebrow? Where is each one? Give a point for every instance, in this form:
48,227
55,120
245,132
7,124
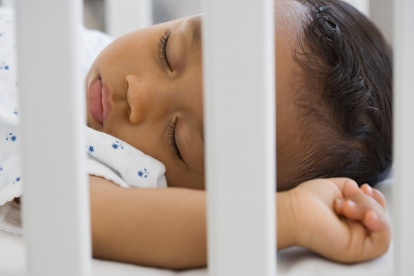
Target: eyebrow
195,25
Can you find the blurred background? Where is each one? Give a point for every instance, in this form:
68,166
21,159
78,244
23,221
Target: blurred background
117,17
96,11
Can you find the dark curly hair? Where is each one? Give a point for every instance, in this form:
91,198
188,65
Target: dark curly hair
346,106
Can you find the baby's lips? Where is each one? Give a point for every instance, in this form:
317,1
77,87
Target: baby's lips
95,101
106,104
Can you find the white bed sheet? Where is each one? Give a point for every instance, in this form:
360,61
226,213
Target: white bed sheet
291,262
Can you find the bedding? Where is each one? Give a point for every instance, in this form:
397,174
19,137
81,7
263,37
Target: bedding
121,163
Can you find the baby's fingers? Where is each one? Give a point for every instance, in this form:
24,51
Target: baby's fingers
374,221
348,209
364,216
377,195
348,187
363,208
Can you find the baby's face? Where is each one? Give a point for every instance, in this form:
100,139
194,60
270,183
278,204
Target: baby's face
146,89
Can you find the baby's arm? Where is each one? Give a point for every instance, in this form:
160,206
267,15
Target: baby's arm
160,227
167,227
341,221
163,227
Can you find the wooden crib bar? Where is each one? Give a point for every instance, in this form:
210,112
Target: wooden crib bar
238,59
55,202
403,190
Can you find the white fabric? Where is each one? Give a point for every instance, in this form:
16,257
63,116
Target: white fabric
109,157
121,163
10,178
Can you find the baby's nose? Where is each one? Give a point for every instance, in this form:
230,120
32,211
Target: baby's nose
139,98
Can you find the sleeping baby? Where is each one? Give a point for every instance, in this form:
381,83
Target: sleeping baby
144,95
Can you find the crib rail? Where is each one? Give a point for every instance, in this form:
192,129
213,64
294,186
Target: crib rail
55,208
240,135
403,190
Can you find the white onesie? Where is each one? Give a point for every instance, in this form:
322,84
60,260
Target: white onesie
109,157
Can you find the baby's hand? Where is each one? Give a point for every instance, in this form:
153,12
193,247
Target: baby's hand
341,221
364,212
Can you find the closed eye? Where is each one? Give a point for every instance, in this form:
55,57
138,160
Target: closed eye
172,141
162,50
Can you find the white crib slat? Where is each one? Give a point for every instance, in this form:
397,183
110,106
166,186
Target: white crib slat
55,202
403,205
238,56
122,16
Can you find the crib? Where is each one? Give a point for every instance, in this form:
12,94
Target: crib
63,247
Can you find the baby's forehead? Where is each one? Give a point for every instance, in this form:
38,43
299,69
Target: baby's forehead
289,26
290,19
291,12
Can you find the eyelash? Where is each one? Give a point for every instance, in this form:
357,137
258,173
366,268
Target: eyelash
162,50
171,139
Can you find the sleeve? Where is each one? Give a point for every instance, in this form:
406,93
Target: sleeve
122,163
10,175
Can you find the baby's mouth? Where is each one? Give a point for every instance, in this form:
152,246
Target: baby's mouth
95,94
99,101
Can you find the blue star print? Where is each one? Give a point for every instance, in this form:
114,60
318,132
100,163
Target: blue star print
11,137
91,149
4,66
117,145
143,173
